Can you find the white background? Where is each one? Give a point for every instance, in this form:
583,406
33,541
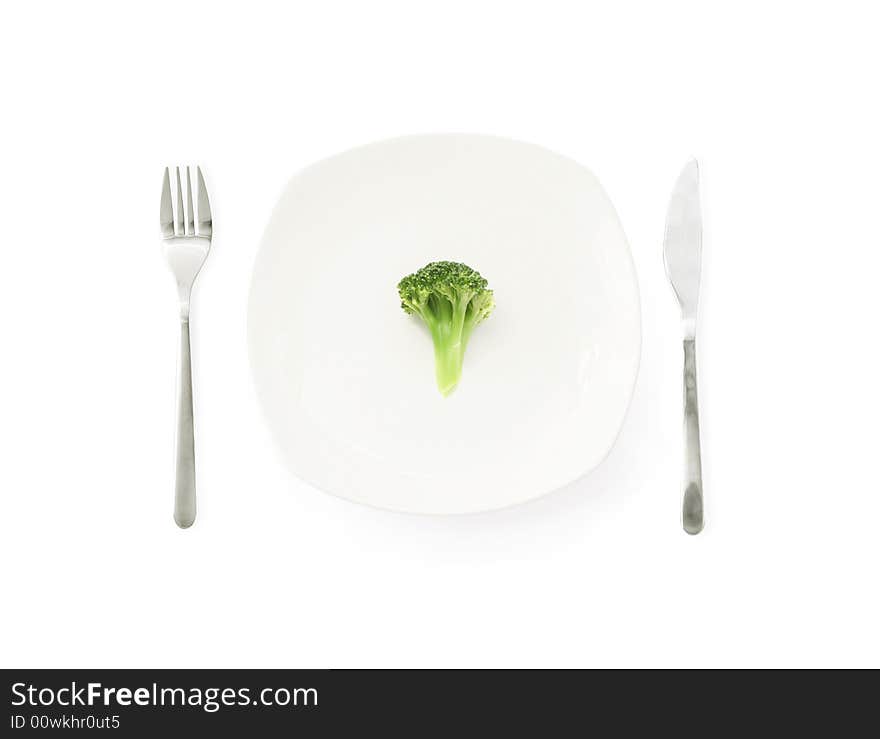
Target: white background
779,102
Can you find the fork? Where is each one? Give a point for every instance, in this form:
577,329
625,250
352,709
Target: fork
186,249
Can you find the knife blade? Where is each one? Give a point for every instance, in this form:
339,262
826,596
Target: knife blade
682,252
682,247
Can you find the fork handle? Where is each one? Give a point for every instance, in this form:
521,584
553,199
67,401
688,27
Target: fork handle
692,503
184,446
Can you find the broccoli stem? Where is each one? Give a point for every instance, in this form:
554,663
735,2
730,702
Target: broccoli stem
449,344
448,360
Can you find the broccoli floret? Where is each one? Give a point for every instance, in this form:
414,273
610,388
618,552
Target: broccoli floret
451,298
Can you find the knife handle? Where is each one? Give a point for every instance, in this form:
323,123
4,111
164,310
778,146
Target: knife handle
692,503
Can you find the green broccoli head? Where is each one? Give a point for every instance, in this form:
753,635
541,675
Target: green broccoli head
451,298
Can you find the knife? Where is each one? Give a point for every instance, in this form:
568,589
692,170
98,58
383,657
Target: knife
682,247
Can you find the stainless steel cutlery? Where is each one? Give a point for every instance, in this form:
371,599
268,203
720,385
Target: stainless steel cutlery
186,240
682,249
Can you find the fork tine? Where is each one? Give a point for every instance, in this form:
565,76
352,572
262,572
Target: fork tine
181,231
205,226
166,215
190,219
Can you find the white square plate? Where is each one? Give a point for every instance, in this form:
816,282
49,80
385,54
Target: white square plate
346,378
